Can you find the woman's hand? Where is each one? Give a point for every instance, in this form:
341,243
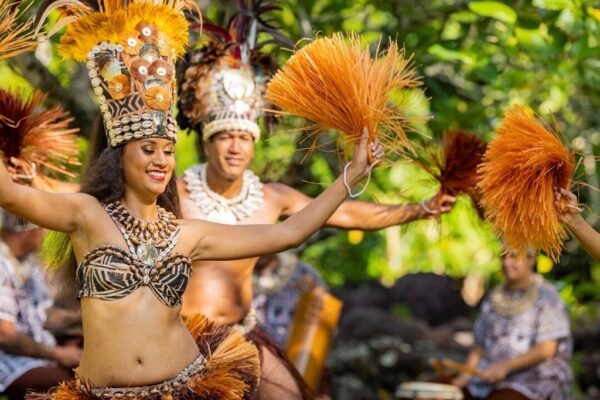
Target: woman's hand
68,356
567,205
360,166
461,380
496,372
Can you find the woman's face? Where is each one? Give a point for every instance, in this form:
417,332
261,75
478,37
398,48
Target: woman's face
148,165
517,271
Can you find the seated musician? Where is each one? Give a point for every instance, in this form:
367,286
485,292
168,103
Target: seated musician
29,356
523,341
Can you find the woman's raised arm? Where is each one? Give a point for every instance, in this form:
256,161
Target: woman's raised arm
225,242
579,227
59,212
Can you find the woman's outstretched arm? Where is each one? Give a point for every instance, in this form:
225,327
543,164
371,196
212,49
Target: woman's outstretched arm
226,242
579,227
59,212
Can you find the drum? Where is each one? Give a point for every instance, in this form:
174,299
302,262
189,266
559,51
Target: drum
313,327
428,391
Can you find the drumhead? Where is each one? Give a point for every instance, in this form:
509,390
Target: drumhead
416,390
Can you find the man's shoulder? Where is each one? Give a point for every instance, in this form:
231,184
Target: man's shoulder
277,188
279,192
189,176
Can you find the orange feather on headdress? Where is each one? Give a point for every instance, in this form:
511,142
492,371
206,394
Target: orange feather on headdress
335,82
37,137
522,167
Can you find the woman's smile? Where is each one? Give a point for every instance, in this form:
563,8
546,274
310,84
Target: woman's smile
157,175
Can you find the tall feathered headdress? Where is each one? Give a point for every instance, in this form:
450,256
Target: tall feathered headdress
522,168
15,37
37,137
223,80
336,83
129,47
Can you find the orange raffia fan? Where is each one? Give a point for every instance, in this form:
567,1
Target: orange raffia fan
335,82
522,167
15,37
36,137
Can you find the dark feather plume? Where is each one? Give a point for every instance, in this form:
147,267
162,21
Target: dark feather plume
224,45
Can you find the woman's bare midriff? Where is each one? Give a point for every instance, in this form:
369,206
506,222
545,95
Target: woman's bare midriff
134,341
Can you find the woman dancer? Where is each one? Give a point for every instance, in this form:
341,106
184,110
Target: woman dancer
134,261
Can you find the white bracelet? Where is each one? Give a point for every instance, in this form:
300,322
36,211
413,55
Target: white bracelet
354,195
27,178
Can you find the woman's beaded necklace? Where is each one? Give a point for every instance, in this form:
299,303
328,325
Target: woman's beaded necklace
505,303
148,241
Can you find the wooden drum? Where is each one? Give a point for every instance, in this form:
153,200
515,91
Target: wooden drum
314,324
428,391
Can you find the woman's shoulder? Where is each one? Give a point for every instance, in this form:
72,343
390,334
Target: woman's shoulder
548,293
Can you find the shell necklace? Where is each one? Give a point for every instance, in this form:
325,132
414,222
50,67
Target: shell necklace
148,241
505,303
217,208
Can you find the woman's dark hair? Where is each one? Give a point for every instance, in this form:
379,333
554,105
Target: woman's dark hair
104,180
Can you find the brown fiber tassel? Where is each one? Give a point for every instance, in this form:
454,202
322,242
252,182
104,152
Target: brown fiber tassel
455,167
522,167
34,136
335,82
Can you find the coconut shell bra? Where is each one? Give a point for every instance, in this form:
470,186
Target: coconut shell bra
109,272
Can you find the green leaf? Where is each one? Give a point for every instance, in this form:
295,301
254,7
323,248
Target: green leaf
591,73
494,9
445,54
452,31
553,4
532,39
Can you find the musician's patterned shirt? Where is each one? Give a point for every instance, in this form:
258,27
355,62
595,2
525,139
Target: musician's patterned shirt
275,311
503,337
25,305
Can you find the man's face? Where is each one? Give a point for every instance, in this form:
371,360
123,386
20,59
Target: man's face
517,270
230,153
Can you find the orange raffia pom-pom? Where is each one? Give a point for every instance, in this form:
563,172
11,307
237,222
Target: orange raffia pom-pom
335,82
521,169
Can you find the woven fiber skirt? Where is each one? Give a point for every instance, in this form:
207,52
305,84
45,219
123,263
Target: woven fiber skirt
228,368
